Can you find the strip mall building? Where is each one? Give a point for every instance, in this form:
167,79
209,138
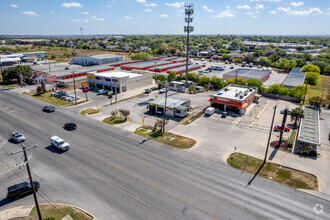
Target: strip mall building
234,98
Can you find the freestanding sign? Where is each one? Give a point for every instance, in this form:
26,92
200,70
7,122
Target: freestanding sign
51,78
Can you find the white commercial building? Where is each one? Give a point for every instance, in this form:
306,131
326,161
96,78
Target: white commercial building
121,80
96,59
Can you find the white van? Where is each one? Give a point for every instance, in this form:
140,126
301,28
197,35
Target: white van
221,68
209,111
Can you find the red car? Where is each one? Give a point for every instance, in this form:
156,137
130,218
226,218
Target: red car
279,128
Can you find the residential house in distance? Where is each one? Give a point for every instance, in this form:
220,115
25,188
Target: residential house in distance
144,48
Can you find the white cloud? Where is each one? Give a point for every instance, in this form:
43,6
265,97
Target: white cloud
13,6
227,6
175,4
207,9
52,12
311,11
151,4
141,1
284,9
71,5
128,17
84,13
243,7
260,6
297,4
225,14
78,20
124,25
164,15
86,20
98,19
108,6
254,16
30,13
148,10
273,12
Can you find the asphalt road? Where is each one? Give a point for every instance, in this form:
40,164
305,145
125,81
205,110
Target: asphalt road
114,174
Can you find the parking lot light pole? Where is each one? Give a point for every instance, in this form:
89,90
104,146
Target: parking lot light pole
188,11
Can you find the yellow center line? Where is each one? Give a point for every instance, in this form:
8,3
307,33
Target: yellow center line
257,117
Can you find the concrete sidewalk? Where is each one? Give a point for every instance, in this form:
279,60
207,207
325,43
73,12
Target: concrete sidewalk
20,211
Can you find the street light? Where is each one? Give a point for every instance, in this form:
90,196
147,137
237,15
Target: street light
188,11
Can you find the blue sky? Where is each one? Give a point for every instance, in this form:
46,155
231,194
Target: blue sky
261,17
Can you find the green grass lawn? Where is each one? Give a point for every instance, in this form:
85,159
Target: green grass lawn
89,111
57,212
316,90
113,121
289,177
167,138
52,100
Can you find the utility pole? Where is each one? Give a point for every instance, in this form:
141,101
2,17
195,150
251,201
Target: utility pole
74,87
188,11
236,77
165,110
286,110
270,133
49,65
81,33
26,161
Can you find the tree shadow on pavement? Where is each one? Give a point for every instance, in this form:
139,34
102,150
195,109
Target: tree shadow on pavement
143,141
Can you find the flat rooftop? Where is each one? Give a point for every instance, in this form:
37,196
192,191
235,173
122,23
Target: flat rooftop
147,64
250,73
235,92
169,58
156,58
172,65
116,74
125,62
184,67
179,59
309,131
294,78
170,103
104,56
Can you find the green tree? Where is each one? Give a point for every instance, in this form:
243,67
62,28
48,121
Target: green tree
114,113
141,56
160,80
249,58
258,53
238,81
273,58
217,82
296,114
16,73
124,113
226,57
171,76
312,78
278,89
327,69
203,80
321,64
254,83
300,48
310,68
298,91
315,101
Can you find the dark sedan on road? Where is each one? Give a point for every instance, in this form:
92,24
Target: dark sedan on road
48,108
22,189
70,126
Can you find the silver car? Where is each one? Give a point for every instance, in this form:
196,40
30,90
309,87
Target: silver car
18,137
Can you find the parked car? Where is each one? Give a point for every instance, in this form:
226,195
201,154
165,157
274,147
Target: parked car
70,126
102,91
227,61
209,111
224,114
18,137
163,90
251,65
48,108
22,189
54,93
204,65
232,66
279,128
259,66
59,143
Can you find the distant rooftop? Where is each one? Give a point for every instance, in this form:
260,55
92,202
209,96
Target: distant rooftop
116,74
235,92
104,56
294,78
170,103
248,73
147,64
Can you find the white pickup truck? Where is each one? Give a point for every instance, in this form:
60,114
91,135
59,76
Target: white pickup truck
59,143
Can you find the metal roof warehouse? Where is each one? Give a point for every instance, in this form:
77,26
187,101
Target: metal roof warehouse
144,65
309,130
261,75
166,67
182,69
294,78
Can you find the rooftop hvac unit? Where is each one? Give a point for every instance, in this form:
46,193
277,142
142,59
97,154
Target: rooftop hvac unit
246,92
250,89
226,89
241,96
236,94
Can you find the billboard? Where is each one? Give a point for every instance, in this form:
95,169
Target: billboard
51,78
